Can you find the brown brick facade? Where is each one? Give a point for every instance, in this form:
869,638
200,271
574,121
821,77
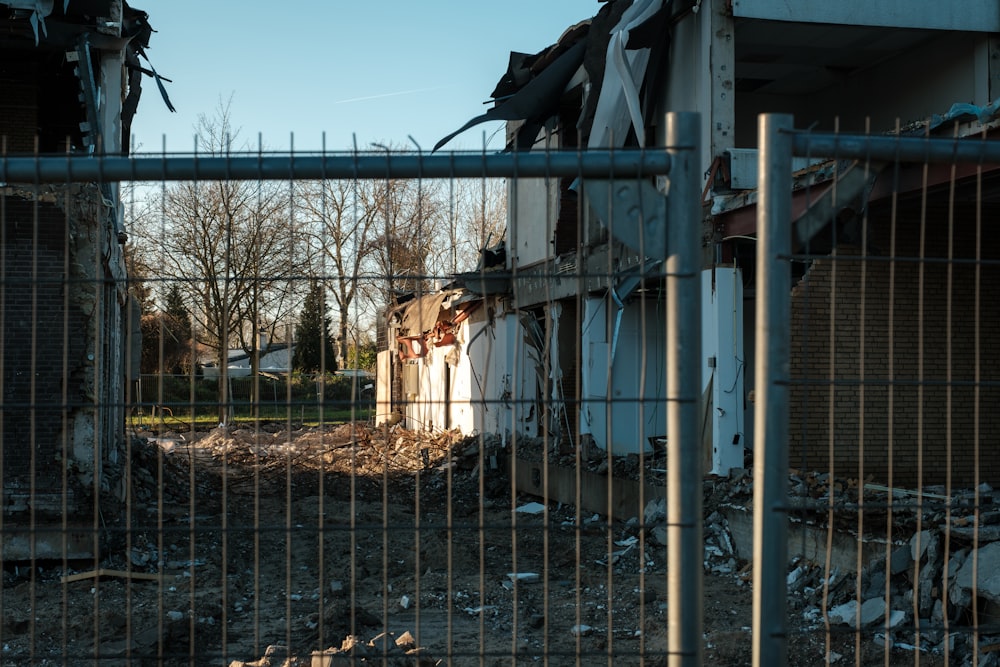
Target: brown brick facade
44,339
18,117
903,405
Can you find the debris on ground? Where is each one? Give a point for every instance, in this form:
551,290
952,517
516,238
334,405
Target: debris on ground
269,545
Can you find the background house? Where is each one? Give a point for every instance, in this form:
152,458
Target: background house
274,358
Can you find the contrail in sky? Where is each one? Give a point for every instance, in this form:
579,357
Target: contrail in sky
397,93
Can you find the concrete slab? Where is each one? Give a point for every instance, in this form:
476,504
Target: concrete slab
560,484
44,542
806,541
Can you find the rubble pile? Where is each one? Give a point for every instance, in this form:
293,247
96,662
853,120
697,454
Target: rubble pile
516,563
385,649
356,448
255,460
923,551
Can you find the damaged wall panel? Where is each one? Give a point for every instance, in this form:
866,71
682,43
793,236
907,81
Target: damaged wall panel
62,85
474,375
62,353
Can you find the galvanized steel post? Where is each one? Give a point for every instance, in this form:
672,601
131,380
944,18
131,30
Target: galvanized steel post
684,456
770,517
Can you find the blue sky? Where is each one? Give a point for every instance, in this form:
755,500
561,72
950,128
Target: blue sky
382,70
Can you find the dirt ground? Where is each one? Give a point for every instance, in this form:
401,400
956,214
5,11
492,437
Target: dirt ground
261,547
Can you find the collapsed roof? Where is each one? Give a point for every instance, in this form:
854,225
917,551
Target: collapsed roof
615,60
53,35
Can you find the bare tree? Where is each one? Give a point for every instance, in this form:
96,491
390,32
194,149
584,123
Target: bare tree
478,220
407,247
342,214
231,247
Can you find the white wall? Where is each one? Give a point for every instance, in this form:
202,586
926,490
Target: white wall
724,366
534,208
489,386
505,368
623,385
383,386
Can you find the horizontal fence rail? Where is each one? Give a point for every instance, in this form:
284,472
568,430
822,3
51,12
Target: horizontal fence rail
592,163
895,148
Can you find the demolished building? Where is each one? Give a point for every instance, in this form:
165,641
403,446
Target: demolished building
71,75
876,386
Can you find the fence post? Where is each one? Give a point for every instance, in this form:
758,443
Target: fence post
770,557
684,456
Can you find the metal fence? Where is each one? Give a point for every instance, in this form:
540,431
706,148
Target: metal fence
158,509
876,382
541,459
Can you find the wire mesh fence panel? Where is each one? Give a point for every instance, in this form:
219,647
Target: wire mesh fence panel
389,407
331,409
889,399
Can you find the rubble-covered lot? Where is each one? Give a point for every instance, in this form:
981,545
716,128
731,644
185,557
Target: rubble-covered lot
354,544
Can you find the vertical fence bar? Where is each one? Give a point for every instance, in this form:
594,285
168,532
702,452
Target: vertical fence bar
771,412
684,523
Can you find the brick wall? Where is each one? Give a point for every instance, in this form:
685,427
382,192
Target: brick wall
18,115
34,345
892,426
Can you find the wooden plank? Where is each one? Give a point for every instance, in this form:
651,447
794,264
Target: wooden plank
105,572
561,486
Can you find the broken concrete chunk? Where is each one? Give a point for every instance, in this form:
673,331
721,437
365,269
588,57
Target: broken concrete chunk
900,560
930,577
531,508
655,512
871,611
476,611
989,518
926,542
955,562
987,559
876,582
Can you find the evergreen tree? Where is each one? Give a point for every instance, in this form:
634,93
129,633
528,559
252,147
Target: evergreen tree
175,308
313,343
